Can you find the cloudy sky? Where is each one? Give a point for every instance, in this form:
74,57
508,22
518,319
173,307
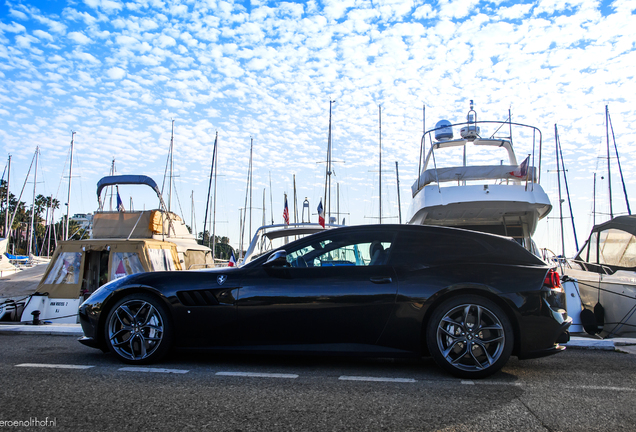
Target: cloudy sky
118,72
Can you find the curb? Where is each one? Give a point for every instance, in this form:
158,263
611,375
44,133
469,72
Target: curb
580,342
45,329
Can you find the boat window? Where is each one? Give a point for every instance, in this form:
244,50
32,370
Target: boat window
161,259
66,269
617,248
125,263
593,252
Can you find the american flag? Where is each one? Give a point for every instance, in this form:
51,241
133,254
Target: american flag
286,212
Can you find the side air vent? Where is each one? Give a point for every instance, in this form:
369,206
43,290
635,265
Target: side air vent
197,298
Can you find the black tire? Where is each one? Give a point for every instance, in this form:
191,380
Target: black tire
138,329
460,348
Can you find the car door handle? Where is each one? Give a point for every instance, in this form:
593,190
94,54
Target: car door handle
381,280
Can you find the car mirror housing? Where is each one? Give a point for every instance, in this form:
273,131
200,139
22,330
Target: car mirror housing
277,259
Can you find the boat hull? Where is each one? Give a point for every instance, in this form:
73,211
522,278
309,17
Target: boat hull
610,300
480,205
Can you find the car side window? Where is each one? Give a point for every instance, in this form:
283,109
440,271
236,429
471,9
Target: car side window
356,251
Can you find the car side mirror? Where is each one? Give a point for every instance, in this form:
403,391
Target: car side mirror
277,259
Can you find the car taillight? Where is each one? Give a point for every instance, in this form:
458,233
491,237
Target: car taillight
552,279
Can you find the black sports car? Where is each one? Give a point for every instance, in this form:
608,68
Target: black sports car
468,299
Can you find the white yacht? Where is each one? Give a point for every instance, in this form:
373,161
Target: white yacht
471,178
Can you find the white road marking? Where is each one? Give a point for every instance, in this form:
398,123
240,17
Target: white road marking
257,375
468,382
603,388
158,370
376,379
54,366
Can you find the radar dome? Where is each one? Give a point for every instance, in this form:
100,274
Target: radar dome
446,131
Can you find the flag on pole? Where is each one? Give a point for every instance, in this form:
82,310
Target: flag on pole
120,204
523,169
286,212
232,261
321,214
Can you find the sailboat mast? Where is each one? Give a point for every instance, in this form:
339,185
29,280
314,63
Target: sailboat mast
328,170
35,182
251,186
6,210
207,204
216,169
380,165
171,167
70,179
556,145
295,202
594,203
609,170
264,210
271,198
397,176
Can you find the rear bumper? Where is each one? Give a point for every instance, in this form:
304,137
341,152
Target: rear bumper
557,335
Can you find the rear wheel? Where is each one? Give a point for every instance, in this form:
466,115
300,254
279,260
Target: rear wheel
469,336
138,330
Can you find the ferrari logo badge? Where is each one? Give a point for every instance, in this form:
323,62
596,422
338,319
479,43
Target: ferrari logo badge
221,279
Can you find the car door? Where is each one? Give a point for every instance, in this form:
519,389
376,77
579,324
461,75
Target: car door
337,290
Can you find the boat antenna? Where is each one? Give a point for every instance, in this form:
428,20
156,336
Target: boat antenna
397,176
70,178
620,171
207,204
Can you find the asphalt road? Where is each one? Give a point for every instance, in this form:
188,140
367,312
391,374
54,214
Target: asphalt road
40,377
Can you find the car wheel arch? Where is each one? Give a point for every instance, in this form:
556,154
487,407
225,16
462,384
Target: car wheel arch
441,296
121,293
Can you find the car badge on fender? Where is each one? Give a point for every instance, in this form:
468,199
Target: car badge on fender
221,279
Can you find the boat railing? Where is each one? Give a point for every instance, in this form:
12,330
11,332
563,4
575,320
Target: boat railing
430,141
497,173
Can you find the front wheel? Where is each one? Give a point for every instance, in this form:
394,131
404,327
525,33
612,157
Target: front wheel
469,336
138,330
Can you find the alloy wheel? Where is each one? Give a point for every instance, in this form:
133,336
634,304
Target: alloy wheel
470,337
135,330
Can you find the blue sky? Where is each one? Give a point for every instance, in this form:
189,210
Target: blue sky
119,72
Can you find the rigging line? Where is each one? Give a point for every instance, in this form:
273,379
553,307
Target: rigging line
567,192
620,171
17,206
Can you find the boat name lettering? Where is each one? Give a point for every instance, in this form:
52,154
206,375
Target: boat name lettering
59,303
